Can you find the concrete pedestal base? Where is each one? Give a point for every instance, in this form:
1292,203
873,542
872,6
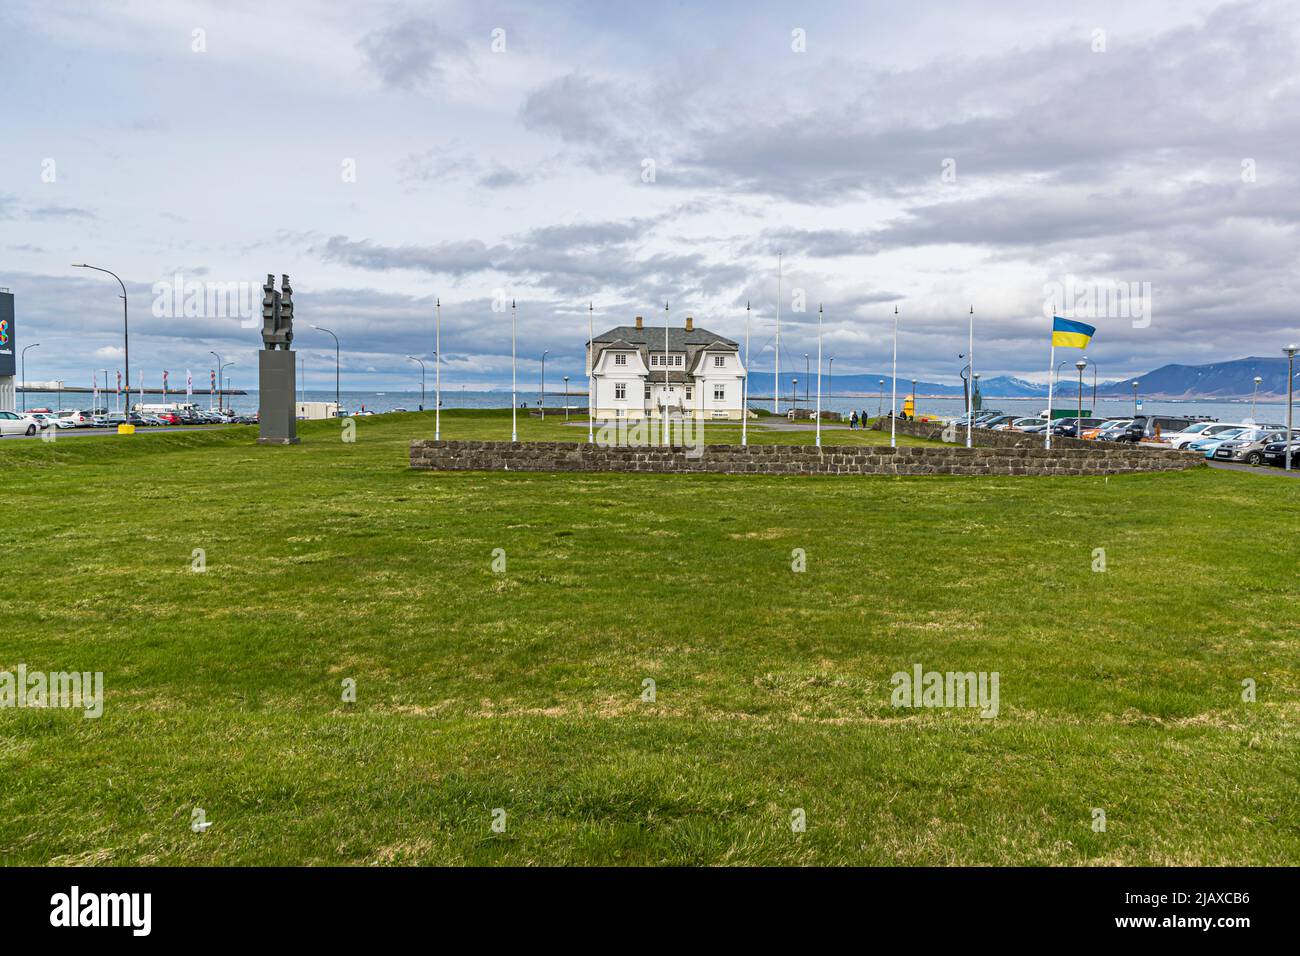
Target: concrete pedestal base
277,388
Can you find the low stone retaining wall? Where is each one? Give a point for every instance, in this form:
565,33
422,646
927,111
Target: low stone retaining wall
986,437
794,459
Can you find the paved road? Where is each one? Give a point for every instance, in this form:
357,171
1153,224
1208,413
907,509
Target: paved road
1257,469
142,430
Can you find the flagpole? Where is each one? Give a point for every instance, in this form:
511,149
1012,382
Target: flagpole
437,369
744,387
664,404
1051,365
970,392
893,395
591,376
776,375
514,401
819,376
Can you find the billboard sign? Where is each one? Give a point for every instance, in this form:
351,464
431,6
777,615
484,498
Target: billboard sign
7,350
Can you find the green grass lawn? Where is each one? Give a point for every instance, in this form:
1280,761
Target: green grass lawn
522,690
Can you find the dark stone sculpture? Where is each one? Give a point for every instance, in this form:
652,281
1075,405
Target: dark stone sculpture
277,415
277,314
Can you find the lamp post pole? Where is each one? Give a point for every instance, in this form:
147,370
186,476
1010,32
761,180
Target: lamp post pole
437,370
219,387
913,399
338,407
542,397
1254,396
414,359
1135,399
830,378
1290,351
819,377
126,336
24,357
1078,422
794,393
805,378
219,368
566,398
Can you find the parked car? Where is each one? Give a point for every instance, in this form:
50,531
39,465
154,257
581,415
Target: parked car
1248,447
171,418
1199,430
1069,427
997,422
1155,427
1273,454
16,423
1113,429
1207,445
83,418
1093,433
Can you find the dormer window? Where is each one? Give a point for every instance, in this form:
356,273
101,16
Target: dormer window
719,361
620,358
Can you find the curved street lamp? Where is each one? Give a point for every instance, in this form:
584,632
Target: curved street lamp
338,407
126,336
414,359
1078,422
24,357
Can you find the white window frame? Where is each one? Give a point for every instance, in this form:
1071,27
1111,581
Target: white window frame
620,358
719,361
620,391
719,393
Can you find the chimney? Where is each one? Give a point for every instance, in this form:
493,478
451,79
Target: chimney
690,324
639,322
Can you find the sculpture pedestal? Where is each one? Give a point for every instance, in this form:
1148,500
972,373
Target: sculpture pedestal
277,393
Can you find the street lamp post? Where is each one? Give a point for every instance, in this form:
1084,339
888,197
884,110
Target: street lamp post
1253,397
542,397
24,357
566,398
338,406
126,337
1135,399
1290,351
220,389
913,399
1078,422
794,393
805,378
414,359
219,368
830,378
880,405
60,383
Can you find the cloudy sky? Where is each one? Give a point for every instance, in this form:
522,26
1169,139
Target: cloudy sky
930,155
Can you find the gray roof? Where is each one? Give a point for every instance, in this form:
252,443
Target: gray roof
651,339
653,335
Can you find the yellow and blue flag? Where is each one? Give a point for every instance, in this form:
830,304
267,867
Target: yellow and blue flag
1071,334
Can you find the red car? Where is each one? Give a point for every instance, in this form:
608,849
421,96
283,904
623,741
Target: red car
171,418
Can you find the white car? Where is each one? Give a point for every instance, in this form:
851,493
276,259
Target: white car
1198,431
1019,424
12,423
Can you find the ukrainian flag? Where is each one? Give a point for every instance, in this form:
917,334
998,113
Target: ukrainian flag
1071,334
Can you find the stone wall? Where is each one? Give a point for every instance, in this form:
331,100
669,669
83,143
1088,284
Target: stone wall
985,437
795,459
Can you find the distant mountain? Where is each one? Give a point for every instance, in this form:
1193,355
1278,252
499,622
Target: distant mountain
1222,380
1233,379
